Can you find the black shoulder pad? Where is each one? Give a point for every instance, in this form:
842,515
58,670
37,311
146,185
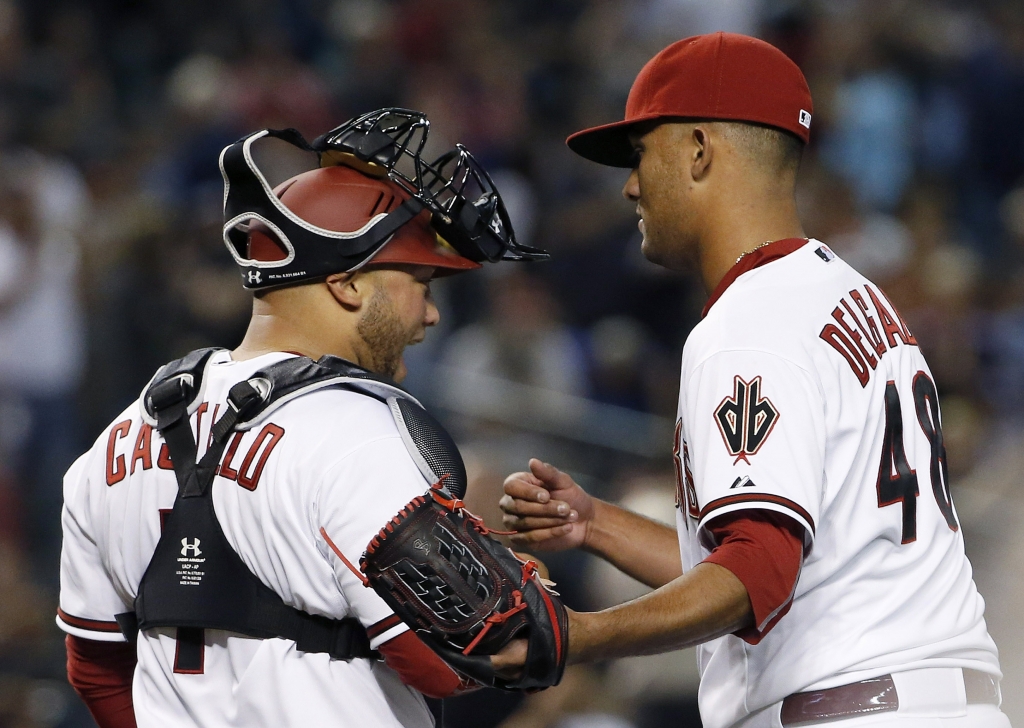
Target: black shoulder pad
292,378
430,445
191,370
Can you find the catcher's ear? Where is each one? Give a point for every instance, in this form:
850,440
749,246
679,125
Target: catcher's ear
351,290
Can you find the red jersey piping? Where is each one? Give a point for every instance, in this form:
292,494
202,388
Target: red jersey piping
754,259
379,628
730,500
92,625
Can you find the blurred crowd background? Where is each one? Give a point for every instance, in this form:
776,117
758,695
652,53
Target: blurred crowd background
113,112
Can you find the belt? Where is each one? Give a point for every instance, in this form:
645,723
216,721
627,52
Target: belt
876,695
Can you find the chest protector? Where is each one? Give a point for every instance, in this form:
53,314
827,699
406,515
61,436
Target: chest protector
195,579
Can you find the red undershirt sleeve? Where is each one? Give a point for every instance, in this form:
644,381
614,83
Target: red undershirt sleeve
764,550
420,668
101,673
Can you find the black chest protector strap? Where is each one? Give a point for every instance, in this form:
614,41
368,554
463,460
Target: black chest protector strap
195,579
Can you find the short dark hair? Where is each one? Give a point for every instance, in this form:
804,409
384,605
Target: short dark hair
775,150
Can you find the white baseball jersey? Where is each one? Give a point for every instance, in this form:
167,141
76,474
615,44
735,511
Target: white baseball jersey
329,462
804,392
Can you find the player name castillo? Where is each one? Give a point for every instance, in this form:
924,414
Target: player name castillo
245,469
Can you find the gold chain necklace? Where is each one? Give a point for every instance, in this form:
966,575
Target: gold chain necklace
742,256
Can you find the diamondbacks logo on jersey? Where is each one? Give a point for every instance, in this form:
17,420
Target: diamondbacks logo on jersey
745,419
685,490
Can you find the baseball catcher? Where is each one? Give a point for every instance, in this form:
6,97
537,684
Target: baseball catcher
205,575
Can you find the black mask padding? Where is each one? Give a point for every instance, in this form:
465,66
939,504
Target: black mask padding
315,254
468,211
390,139
436,446
468,232
372,146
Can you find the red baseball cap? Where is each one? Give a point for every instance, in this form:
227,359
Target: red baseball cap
722,76
342,199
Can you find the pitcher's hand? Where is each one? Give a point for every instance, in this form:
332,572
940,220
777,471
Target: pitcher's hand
547,508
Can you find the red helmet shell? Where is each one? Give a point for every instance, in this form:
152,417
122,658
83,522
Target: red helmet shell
342,199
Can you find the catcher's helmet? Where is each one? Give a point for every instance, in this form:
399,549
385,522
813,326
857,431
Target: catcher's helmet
373,199
340,199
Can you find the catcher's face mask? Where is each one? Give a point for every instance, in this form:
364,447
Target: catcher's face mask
465,208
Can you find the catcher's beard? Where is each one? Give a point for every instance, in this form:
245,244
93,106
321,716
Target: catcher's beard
385,338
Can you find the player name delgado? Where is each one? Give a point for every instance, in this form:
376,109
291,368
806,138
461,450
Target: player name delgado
854,332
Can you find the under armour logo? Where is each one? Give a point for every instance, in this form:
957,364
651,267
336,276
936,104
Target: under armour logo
254,276
745,419
186,547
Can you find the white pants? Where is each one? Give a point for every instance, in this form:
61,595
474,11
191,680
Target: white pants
929,698
978,716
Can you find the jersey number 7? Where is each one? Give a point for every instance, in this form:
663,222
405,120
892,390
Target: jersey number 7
897,481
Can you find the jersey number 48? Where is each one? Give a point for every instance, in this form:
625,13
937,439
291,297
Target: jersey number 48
897,481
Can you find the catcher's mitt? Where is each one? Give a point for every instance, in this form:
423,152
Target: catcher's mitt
464,593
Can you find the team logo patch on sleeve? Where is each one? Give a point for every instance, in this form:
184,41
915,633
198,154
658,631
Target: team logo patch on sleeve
686,493
745,419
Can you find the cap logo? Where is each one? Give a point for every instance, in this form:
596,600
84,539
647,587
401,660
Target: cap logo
805,119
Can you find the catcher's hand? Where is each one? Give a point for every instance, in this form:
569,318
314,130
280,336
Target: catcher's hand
546,508
467,596
509,660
